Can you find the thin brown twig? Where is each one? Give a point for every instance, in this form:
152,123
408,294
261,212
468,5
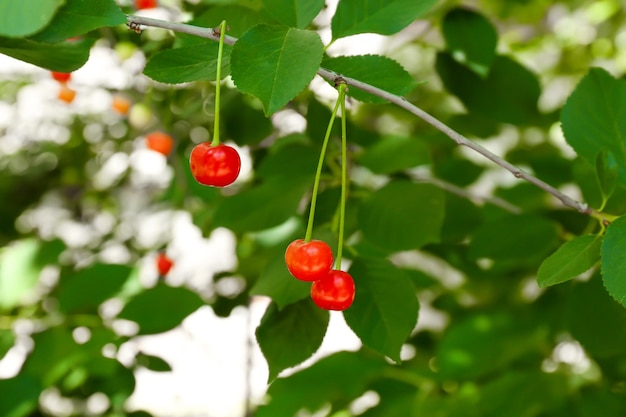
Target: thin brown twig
461,140
463,193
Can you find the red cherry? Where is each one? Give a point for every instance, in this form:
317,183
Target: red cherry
334,292
61,77
160,142
309,261
163,263
146,4
218,166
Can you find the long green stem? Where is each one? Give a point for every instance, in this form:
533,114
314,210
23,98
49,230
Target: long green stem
344,174
218,79
318,173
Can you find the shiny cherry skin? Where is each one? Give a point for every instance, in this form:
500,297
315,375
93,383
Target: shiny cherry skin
163,264
61,77
217,166
160,142
309,261
334,292
146,4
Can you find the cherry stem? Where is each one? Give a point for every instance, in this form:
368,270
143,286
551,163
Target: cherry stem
344,173
318,173
218,79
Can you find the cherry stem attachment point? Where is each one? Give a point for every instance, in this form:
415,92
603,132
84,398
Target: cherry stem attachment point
218,79
344,171
318,174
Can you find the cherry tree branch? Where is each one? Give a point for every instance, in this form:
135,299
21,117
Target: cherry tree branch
135,23
463,193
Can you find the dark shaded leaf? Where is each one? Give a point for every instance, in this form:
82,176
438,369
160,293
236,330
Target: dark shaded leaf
385,308
86,289
161,308
403,215
290,336
343,375
471,39
509,94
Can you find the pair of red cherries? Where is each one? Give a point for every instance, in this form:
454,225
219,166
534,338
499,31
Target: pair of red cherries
332,289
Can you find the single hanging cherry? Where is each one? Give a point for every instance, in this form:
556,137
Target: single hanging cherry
335,291
309,261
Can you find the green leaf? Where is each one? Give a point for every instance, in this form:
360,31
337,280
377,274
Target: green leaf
601,401
523,394
596,320
509,94
19,395
614,261
161,308
153,363
20,266
393,154
86,289
277,283
594,119
292,160
78,17
290,336
264,206
570,260
55,354
379,71
514,237
189,63
18,18
7,340
397,398
403,215
295,13
606,173
483,343
385,308
471,39
385,17
341,376
288,175
62,57
462,217
244,123
275,63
